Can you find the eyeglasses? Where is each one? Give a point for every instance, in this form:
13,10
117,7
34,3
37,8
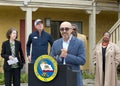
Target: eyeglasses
74,29
64,28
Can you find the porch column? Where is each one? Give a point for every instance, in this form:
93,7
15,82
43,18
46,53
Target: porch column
28,28
28,22
119,11
118,32
92,35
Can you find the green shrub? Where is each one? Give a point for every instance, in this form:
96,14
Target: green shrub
23,78
87,75
1,78
118,76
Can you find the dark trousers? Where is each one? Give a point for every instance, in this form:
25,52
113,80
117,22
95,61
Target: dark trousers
12,75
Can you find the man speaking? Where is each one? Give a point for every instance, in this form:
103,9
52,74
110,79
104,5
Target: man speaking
69,50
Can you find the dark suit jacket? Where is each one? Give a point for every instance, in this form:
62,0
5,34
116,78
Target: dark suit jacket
6,52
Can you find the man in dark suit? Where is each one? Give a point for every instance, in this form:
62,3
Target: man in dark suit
69,50
11,49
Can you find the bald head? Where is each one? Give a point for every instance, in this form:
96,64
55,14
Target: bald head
66,24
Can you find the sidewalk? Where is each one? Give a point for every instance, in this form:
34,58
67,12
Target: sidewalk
86,82
90,82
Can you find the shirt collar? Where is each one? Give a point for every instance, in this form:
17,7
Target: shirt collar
68,39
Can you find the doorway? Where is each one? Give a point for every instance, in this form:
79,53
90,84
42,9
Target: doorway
55,28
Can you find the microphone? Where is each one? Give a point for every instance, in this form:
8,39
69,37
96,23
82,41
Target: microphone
64,62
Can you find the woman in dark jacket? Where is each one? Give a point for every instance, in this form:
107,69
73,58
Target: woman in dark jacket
11,50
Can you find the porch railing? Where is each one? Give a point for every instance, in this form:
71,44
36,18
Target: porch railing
115,33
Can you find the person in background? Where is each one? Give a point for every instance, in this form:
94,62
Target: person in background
11,50
39,40
106,58
69,50
79,36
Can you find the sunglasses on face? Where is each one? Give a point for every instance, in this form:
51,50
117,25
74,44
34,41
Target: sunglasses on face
74,29
64,28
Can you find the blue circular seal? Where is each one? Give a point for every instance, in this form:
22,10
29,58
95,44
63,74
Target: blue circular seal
45,68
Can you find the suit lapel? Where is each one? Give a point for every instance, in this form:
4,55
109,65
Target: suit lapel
61,44
108,47
100,48
8,46
71,44
59,47
16,46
